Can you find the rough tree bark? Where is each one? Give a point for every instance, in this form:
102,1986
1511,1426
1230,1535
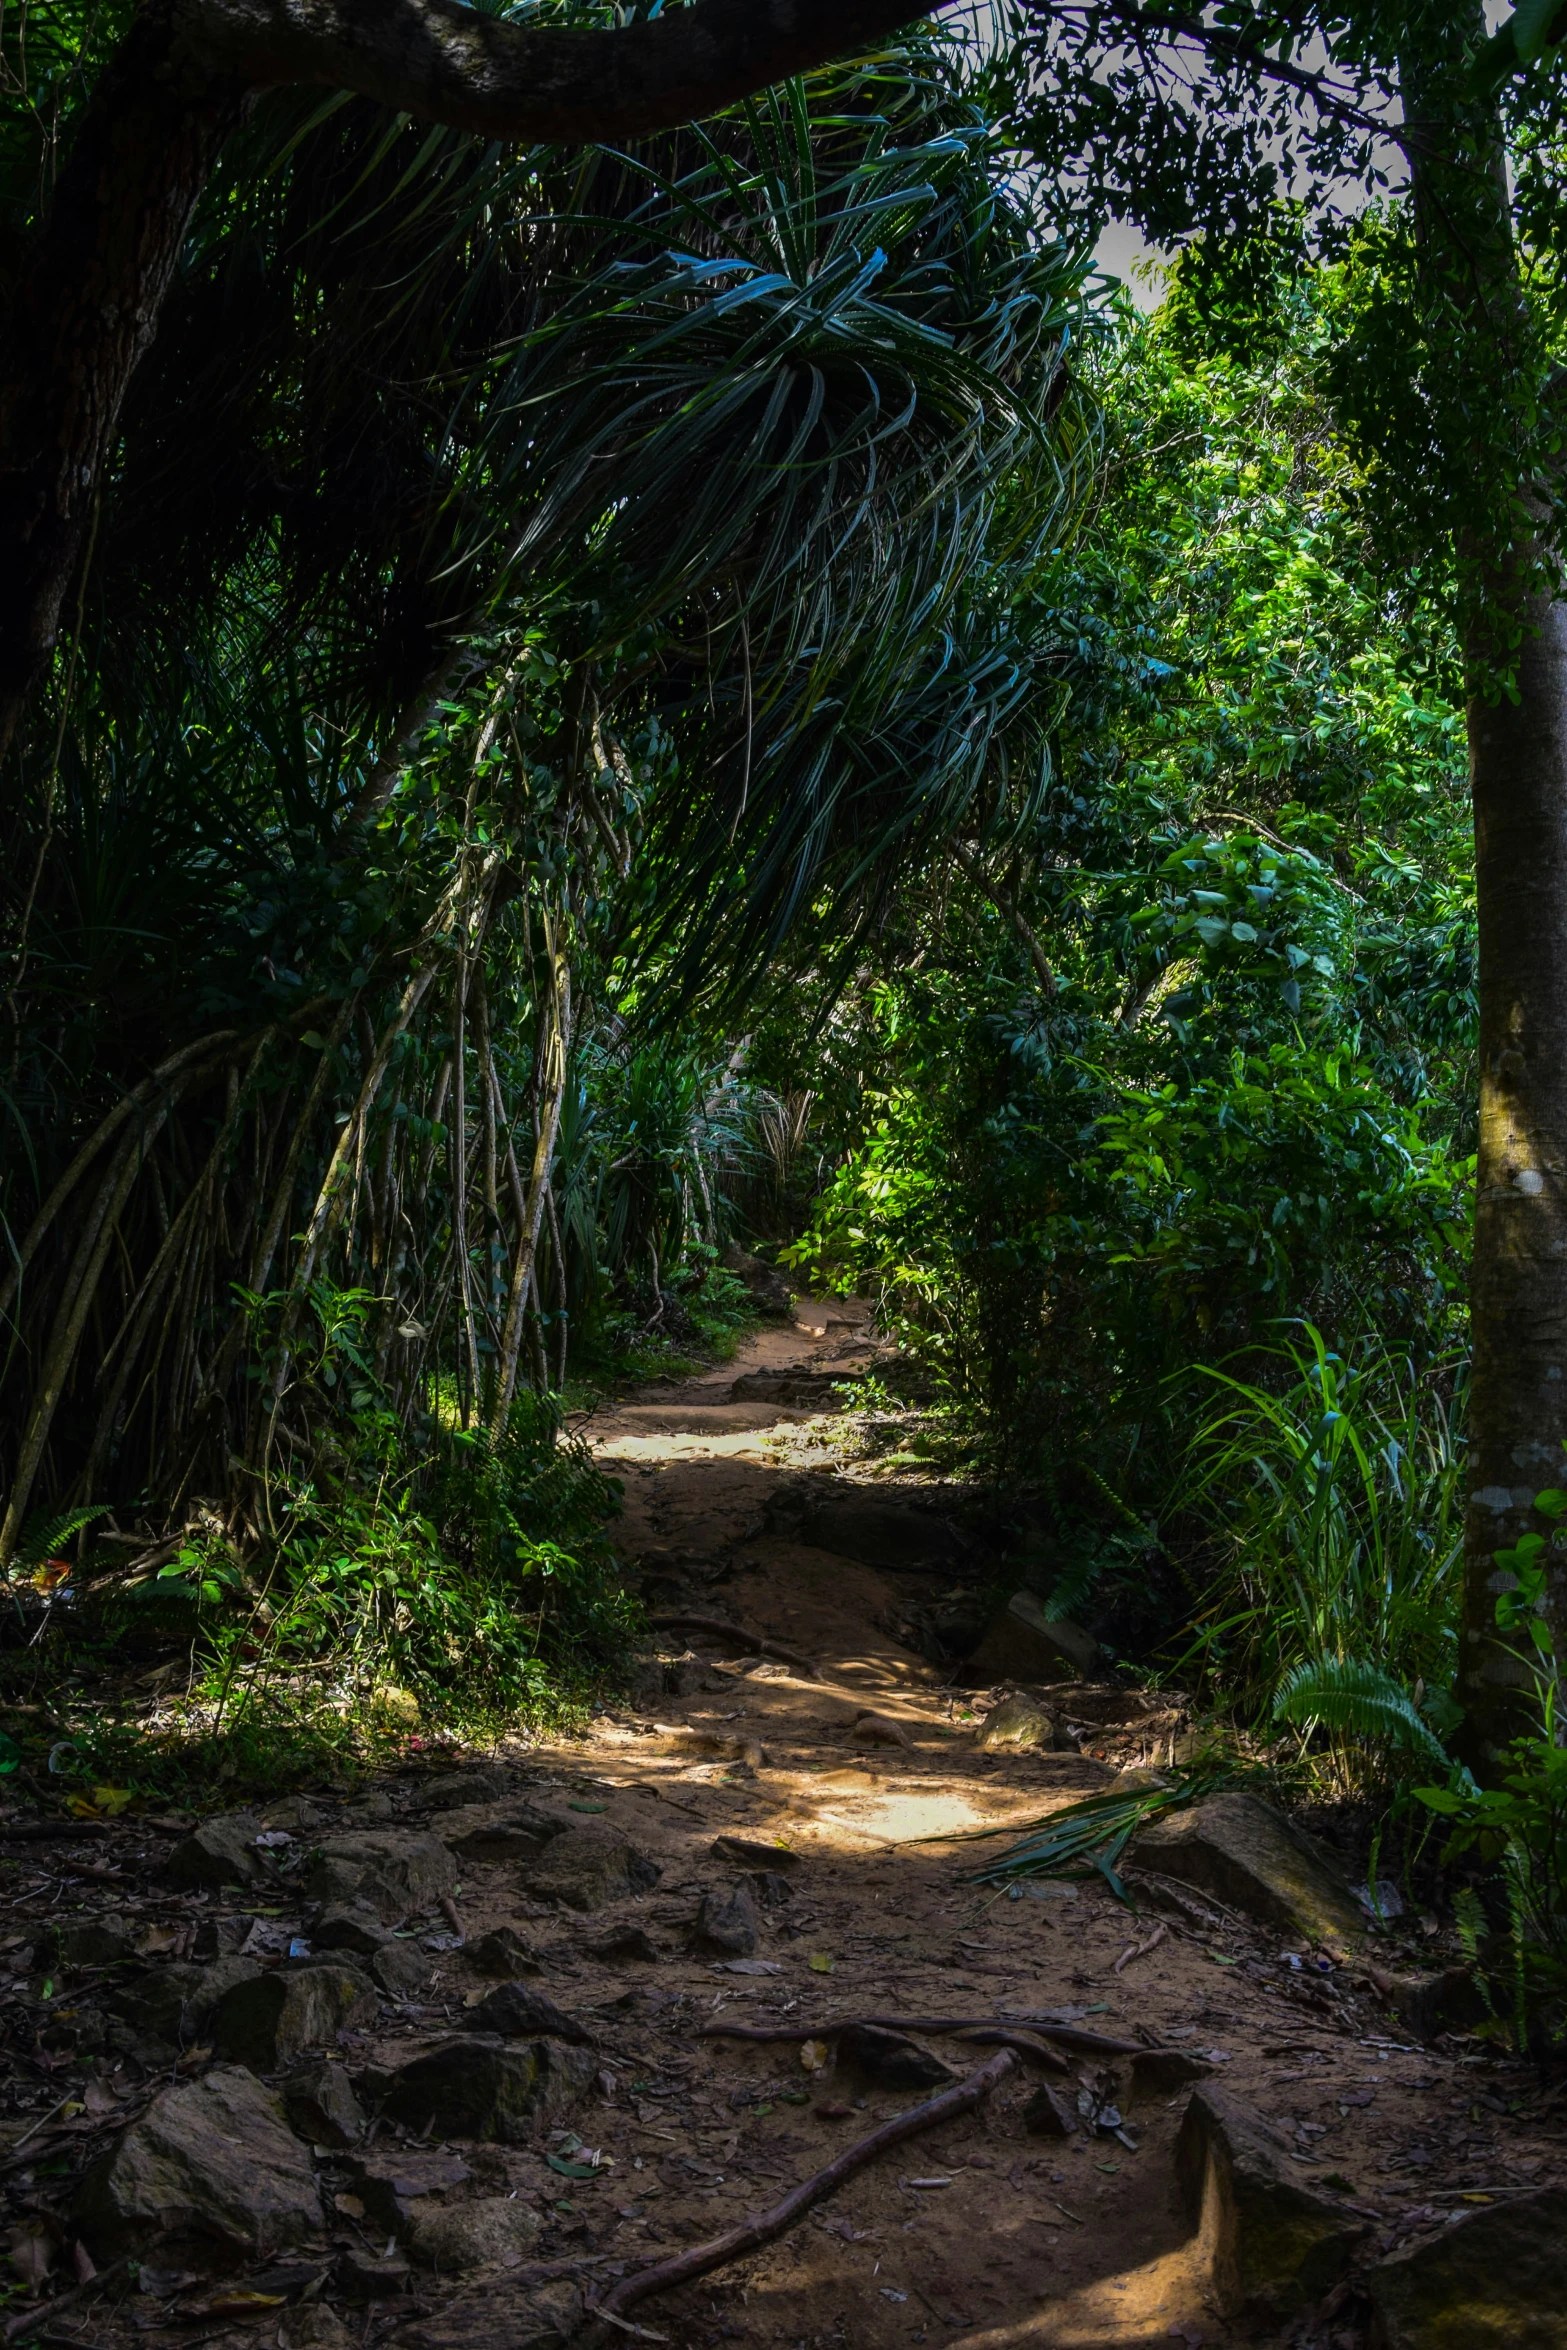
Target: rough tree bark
1518,1287
1515,648
90,290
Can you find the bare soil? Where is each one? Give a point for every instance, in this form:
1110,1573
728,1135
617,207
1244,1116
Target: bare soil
980,2236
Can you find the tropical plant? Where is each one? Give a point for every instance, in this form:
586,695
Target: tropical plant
686,518
1333,1501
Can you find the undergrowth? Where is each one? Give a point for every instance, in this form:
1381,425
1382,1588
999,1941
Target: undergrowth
417,1587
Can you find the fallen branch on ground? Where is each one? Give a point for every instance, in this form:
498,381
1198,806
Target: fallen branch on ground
1133,1950
700,2261
1069,2036
32,2319
736,1634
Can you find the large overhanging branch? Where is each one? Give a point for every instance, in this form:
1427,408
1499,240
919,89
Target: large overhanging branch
88,295
505,80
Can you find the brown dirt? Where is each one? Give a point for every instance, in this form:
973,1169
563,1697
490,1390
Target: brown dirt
1080,2245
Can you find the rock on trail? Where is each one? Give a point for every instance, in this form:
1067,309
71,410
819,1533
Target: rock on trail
210,2176
427,2067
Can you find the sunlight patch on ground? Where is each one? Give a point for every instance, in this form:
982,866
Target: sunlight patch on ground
742,1444
1125,2312
894,1815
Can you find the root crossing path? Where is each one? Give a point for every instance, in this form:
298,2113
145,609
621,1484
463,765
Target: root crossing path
690,2030
812,1735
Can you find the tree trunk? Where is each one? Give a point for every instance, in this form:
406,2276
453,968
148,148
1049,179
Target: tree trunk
1483,379
86,308
1518,1289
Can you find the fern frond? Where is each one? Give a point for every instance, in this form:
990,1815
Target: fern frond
1350,1695
44,1538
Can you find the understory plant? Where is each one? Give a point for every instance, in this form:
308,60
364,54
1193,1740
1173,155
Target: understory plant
1330,1501
1516,1827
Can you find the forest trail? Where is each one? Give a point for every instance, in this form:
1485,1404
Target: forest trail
488,1995
987,2235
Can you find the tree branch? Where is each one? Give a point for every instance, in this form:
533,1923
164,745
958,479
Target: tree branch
1006,903
447,63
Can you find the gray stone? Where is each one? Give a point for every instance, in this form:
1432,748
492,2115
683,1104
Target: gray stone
1021,1723
211,2173
86,1942
393,1872
503,1952
455,1788
357,1930
517,2012
542,2317
1252,1857
727,1921
592,1865
220,1851
1048,2115
393,2183
622,1943
320,2103
176,2002
493,2233
1271,2244
891,2059
1022,1643
490,2090
402,1969
1494,2280
268,2022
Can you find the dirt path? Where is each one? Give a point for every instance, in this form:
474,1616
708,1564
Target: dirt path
1020,2240
287,1997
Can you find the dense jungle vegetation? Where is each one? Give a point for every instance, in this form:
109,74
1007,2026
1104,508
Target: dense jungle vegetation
615,694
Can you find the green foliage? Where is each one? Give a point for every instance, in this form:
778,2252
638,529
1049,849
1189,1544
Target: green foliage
1088,1838
1332,1505
1518,1830
1356,1702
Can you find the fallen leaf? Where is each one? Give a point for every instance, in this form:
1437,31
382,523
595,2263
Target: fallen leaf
820,1962
815,2054
572,2170
350,2206
111,1801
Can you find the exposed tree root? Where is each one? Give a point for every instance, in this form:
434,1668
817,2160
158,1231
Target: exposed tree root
669,1620
1067,2035
766,2226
